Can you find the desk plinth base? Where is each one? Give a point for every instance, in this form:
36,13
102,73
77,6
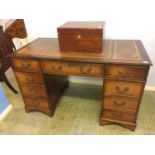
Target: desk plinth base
45,111
127,125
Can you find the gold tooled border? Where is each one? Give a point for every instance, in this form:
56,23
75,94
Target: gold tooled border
137,55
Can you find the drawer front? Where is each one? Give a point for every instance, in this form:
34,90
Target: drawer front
66,68
122,103
26,65
39,103
129,72
123,88
31,91
81,42
118,116
30,78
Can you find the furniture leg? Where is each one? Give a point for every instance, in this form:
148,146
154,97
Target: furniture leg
1,80
4,78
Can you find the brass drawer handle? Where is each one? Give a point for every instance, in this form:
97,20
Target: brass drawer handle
129,73
57,68
120,72
119,104
25,65
117,115
85,70
125,90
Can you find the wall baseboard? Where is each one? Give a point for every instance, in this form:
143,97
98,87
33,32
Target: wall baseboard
99,83
149,88
5,112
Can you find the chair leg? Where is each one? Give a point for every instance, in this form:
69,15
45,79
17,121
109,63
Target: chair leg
1,80
4,78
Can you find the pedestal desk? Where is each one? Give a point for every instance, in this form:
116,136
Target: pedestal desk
41,71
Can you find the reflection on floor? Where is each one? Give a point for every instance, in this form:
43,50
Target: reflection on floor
77,113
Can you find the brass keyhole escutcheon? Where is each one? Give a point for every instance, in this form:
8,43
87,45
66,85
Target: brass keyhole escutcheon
79,36
120,71
85,70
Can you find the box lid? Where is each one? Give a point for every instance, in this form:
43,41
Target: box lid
82,27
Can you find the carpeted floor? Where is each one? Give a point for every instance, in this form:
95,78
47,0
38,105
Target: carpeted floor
77,113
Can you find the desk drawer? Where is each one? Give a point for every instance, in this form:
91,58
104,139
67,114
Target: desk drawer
30,78
118,116
66,68
128,72
122,103
123,88
34,102
31,91
26,65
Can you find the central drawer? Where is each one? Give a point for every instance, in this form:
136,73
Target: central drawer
69,68
123,88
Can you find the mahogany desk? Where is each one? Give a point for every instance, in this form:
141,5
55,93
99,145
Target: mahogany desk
41,71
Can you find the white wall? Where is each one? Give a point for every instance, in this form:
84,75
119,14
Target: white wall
126,19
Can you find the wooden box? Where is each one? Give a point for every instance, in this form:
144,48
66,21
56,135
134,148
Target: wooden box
81,36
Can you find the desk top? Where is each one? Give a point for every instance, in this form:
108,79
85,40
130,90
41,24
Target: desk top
114,51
